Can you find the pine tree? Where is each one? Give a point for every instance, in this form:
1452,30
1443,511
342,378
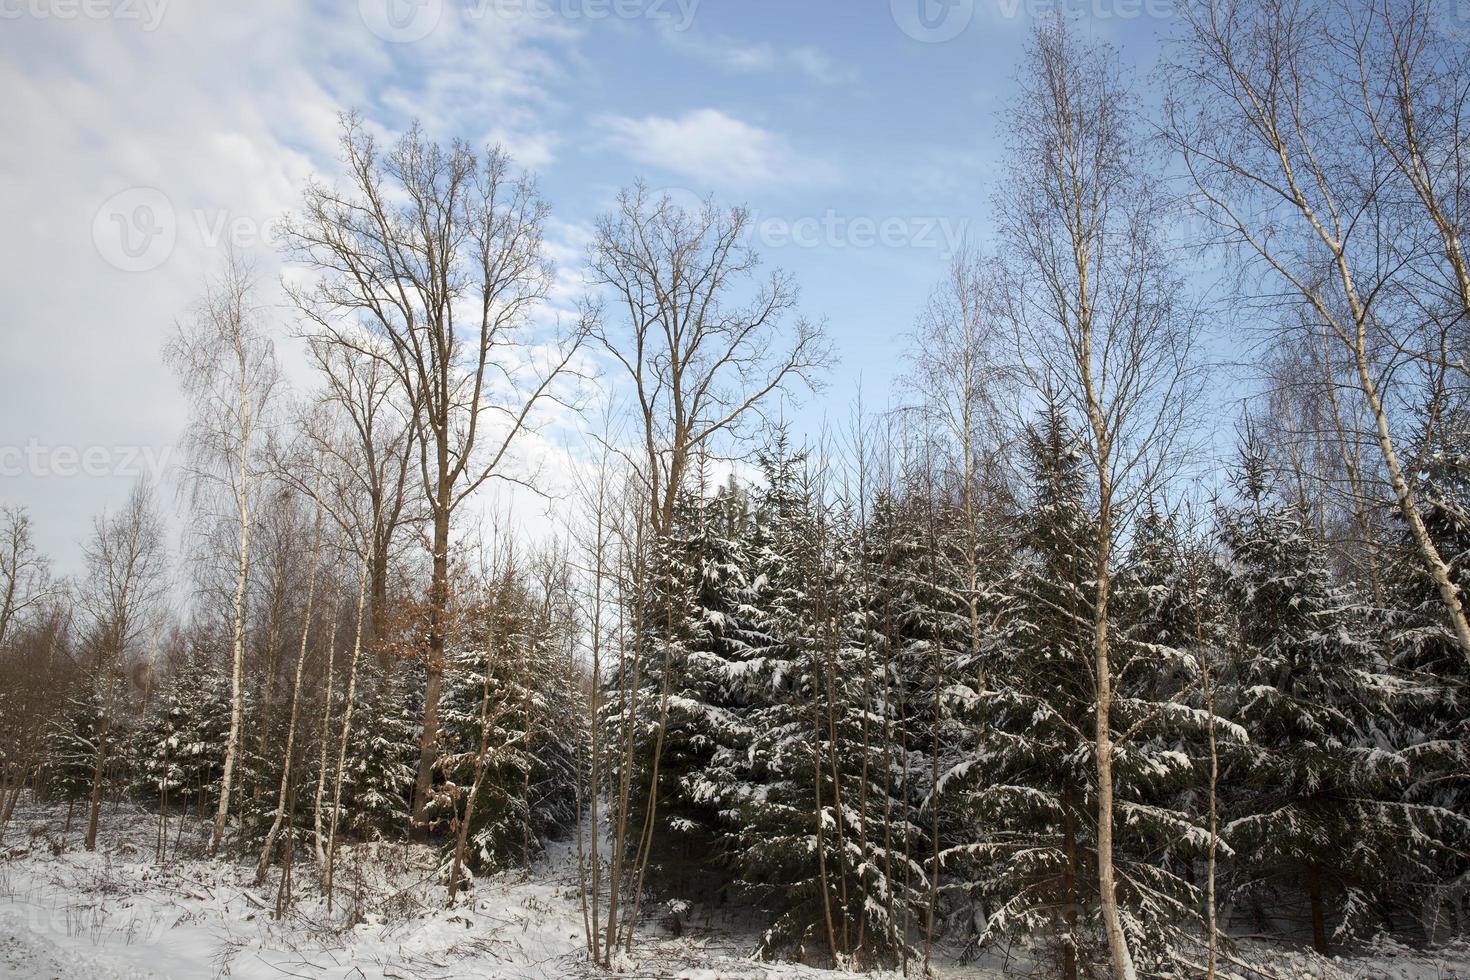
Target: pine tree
378,785
178,751
73,742
1432,715
692,633
534,714
1318,811
1029,789
817,795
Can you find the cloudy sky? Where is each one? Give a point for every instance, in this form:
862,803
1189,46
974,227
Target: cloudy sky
142,137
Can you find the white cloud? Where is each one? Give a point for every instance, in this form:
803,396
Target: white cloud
219,112
733,54
819,65
714,148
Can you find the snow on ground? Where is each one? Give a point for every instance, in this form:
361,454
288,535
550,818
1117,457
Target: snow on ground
118,913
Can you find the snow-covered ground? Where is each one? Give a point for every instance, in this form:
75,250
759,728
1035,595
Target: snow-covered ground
118,913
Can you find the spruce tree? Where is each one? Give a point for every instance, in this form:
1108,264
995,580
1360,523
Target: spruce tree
1318,821
178,750
1030,789
533,716
817,797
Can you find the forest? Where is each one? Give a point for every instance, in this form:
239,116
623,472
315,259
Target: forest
1056,663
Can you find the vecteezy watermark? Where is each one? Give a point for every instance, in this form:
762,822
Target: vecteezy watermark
828,229
678,13
148,13
934,21
39,459
401,21
835,230
405,21
136,230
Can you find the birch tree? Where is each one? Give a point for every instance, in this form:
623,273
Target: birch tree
270,839
25,574
1102,326
226,365
1284,168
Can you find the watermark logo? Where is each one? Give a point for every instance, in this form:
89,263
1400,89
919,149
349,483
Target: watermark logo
932,21
830,229
835,230
138,229
147,13
406,21
43,460
135,230
401,21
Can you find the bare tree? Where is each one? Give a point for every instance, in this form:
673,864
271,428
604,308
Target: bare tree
1103,330
25,574
1258,118
356,456
319,832
959,361
430,262
227,367
705,346
120,597
285,788
349,702
1409,84
960,377
34,667
594,529
701,359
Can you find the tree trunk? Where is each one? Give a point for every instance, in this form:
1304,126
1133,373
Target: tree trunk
1319,918
270,837
1069,884
99,769
319,837
1449,594
237,672
1122,959
438,612
346,735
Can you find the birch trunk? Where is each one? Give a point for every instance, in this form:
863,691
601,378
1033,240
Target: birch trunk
242,573
321,767
270,837
346,734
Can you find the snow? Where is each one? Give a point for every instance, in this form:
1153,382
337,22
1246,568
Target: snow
117,913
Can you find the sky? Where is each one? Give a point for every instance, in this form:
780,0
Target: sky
143,138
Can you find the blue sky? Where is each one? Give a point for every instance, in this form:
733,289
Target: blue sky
862,129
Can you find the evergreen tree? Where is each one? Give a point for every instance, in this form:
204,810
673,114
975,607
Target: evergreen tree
683,688
178,751
377,787
1030,789
1317,809
817,797
533,716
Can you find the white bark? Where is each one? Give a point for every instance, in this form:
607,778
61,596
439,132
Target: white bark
270,837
